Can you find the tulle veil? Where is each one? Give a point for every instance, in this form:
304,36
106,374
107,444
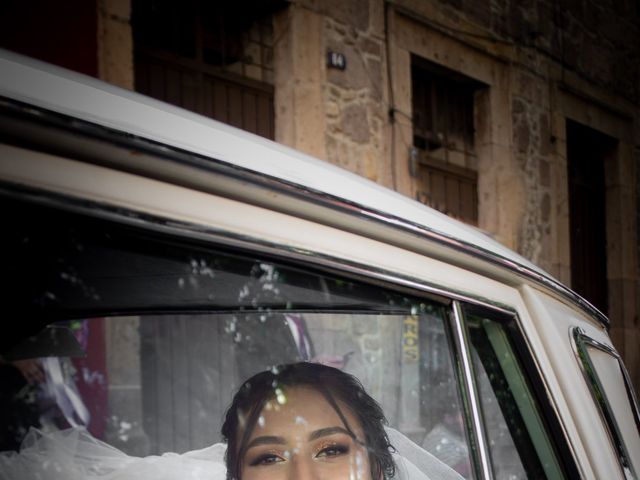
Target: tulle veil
74,454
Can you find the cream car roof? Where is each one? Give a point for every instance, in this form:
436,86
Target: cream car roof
86,98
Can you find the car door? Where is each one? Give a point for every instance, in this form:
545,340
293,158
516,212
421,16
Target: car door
166,299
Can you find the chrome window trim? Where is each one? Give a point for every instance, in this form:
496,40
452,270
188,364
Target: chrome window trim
547,391
336,264
580,343
222,237
213,165
471,399
549,411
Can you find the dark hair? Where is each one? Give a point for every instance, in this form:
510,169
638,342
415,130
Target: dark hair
333,384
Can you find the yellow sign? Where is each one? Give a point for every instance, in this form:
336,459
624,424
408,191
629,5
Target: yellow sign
410,345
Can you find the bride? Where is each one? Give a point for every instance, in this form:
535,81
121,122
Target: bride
301,420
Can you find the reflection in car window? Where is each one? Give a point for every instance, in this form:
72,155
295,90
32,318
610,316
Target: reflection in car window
519,442
153,335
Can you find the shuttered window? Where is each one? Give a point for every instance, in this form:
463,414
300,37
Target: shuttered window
443,138
208,57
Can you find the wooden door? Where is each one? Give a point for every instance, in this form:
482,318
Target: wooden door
587,151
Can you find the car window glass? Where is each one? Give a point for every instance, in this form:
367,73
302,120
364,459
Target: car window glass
149,336
614,397
501,444
519,442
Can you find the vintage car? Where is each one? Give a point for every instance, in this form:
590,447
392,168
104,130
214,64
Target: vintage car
154,259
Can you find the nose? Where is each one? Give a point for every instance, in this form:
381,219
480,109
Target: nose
302,469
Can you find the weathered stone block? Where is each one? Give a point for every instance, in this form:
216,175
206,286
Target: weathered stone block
522,136
355,123
349,12
369,46
115,49
545,134
518,105
299,80
355,76
374,70
479,11
545,208
545,173
371,162
332,109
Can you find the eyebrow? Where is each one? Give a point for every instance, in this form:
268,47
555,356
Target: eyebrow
266,440
323,432
275,440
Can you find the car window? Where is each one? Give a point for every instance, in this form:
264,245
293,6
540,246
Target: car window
519,441
608,382
143,338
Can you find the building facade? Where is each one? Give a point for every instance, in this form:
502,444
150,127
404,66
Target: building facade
521,118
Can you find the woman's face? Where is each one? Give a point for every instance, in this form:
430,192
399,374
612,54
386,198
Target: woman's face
304,438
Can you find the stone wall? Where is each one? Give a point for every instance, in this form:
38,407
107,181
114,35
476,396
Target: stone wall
543,62
598,40
530,113
115,43
552,52
354,110
337,115
522,50
563,62
636,320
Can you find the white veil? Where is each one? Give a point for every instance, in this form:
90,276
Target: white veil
73,454
415,463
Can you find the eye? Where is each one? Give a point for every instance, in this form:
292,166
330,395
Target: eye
333,450
266,459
